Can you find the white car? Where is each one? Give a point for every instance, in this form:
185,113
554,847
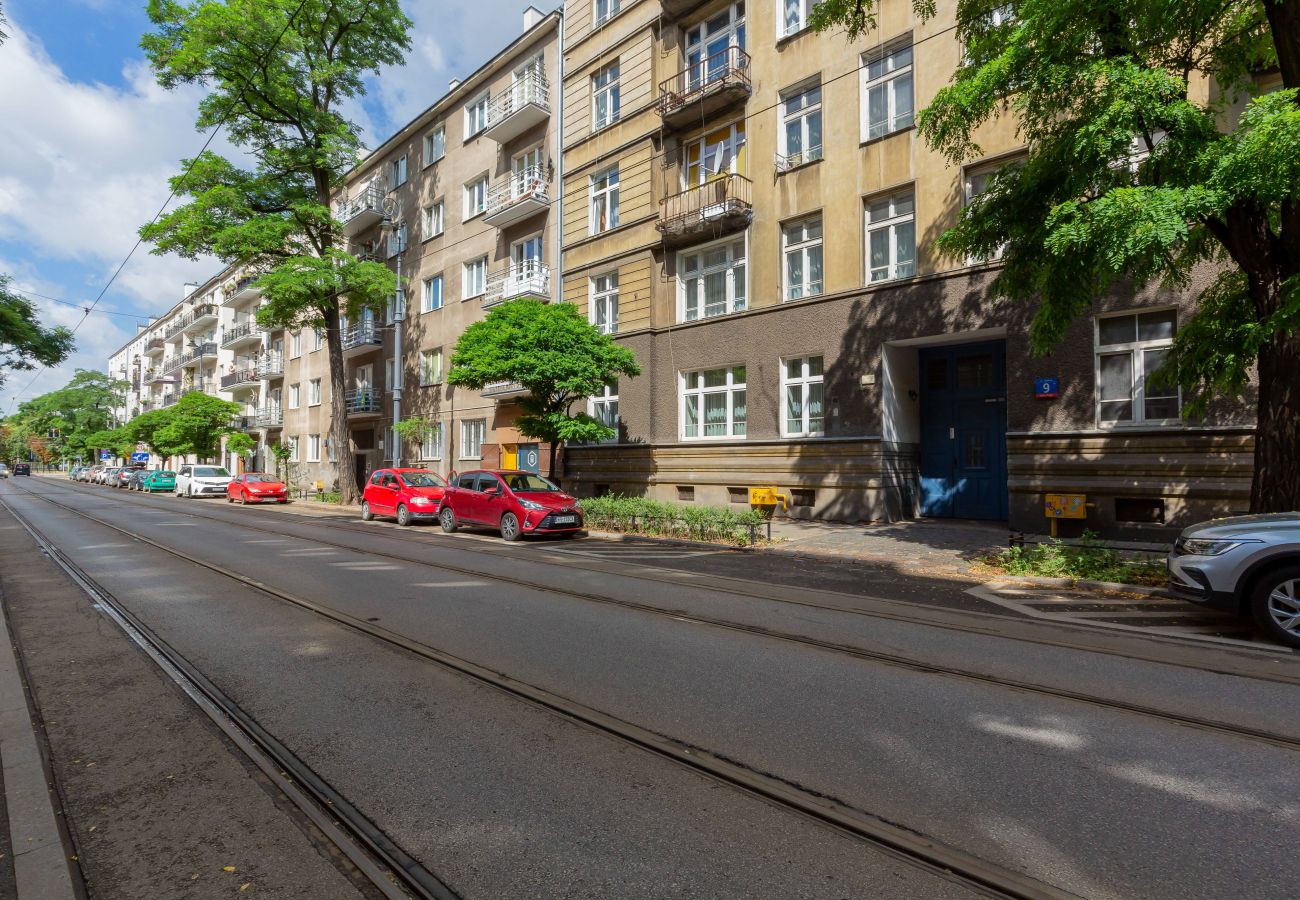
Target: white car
201,481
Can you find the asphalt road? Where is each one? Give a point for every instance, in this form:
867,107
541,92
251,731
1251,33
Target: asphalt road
501,798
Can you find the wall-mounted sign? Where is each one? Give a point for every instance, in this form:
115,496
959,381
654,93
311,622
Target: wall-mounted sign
1047,388
139,457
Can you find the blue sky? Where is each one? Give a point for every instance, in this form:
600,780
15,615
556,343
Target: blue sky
89,140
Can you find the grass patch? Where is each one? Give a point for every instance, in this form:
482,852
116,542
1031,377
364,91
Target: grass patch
1089,560
660,518
329,496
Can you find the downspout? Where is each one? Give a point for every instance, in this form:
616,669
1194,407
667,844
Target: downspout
399,314
559,182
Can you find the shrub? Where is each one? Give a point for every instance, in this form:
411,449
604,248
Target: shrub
659,518
1090,559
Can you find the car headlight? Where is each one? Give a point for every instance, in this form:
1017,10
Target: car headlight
533,505
420,501
1209,546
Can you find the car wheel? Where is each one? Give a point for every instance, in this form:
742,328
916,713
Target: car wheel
447,519
366,514
510,527
1275,605
403,515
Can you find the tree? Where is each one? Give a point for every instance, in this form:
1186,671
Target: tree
24,342
241,444
282,453
68,416
1153,156
195,424
277,72
553,352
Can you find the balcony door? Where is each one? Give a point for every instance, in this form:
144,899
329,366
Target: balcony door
526,256
527,172
708,45
526,82
364,379
719,152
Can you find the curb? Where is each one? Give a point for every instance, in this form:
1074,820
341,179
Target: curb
672,542
1084,583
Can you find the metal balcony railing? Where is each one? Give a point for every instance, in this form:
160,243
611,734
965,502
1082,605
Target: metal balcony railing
198,313
243,423
715,207
239,332
269,365
784,163
516,196
361,400
363,334
722,77
523,105
173,363
169,399
362,210
242,289
270,417
530,279
243,376
154,346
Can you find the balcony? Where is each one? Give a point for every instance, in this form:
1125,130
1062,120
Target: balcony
270,417
516,197
705,88
526,104
708,210
243,423
239,335
361,403
364,210
361,339
203,314
170,398
244,377
197,354
532,280
270,365
504,390
243,290
156,376
154,347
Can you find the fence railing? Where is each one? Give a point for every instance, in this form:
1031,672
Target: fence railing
369,200
362,334
201,311
529,183
728,67
362,400
242,376
532,88
729,195
532,279
270,365
230,335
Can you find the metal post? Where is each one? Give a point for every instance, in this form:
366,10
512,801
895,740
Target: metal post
399,313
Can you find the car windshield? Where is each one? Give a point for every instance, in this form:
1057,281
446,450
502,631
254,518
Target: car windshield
422,479
259,478
164,474
210,472
529,482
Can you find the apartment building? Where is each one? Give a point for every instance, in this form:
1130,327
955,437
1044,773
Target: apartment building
460,203
748,207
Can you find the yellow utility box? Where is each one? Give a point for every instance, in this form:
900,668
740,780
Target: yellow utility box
1064,506
767,496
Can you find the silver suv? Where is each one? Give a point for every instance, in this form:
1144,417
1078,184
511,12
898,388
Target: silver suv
1248,565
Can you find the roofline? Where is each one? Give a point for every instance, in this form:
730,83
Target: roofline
171,310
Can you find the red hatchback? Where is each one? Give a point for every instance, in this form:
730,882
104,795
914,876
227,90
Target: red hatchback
256,487
407,494
518,503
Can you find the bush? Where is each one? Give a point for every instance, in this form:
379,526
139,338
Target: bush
658,518
329,496
1090,559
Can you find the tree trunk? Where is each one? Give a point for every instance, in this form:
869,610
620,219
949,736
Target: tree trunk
1276,483
550,468
339,437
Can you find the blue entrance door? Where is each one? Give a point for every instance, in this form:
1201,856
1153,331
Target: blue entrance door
964,431
529,458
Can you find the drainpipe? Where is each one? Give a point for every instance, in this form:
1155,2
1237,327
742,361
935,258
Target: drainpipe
558,275
399,314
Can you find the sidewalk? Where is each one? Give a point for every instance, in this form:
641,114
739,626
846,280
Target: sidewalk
931,546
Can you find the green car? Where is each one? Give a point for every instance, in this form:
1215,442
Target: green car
159,481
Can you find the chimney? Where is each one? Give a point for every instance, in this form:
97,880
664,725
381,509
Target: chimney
139,327
453,84
532,15
189,288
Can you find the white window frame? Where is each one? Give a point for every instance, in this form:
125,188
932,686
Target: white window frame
803,383
293,443
890,225
476,192
604,408
431,445
786,25
433,288
1137,350
983,171
691,384
397,172
476,112
603,303
470,288
609,91
603,10
435,145
314,392
473,433
797,108
295,395
708,163
313,448
397,240
430,375
320,339
804,248
433,219
735,300
880,68
605,196
295,344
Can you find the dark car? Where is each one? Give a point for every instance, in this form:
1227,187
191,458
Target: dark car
22,469
137,479
517,503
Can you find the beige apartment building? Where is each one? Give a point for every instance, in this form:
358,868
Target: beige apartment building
748,207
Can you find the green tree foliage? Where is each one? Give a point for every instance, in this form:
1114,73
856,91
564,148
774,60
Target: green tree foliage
277,72
24,342
240,443
552,351
1153,158
67,417
195,424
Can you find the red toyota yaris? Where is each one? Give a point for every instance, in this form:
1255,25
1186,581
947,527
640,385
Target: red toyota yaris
518,503
406,494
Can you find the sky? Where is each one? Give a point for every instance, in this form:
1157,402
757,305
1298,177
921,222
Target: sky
88,141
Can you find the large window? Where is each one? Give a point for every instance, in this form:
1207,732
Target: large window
711,45
475,278
319,335
432,223
978,180
431,294
891,237
719,152
801,126
604,96
292,443
313,448
313,392
472,434
295,345
295,396
1130,348
802,387
435,145
431,445
604,302
886,91
802,248
794,16
476,196
603,9
604,200
397,172
430,366
603,407
476,115
713,403
712,280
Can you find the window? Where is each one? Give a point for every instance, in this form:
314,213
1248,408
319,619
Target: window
435,145
295,345
713,403
431,445
476,115
802,248
313,448
472,433
292,443
719,152
603,10
794,16
712,281
431,366
432,222
1130,348
604,302
431,295
604,96
397,239
978,181
886,91
475,277
313,392
891,237
604,201
320,339
802,388
711,45
397,172
295,396
603,407
476,196
801,126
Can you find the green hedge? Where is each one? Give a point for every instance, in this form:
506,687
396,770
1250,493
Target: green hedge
658,518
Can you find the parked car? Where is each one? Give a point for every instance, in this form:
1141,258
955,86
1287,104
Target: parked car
4,471
1246,565
74,472
88,474
22,469
406,494
137,478
123,477
107,474
257,487
517,503
201,481
158,480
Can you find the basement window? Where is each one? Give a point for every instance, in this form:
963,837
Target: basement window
1140,510
686,492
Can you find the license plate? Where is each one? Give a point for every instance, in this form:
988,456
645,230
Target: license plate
565,520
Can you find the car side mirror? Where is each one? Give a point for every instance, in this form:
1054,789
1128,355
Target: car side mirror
491,490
